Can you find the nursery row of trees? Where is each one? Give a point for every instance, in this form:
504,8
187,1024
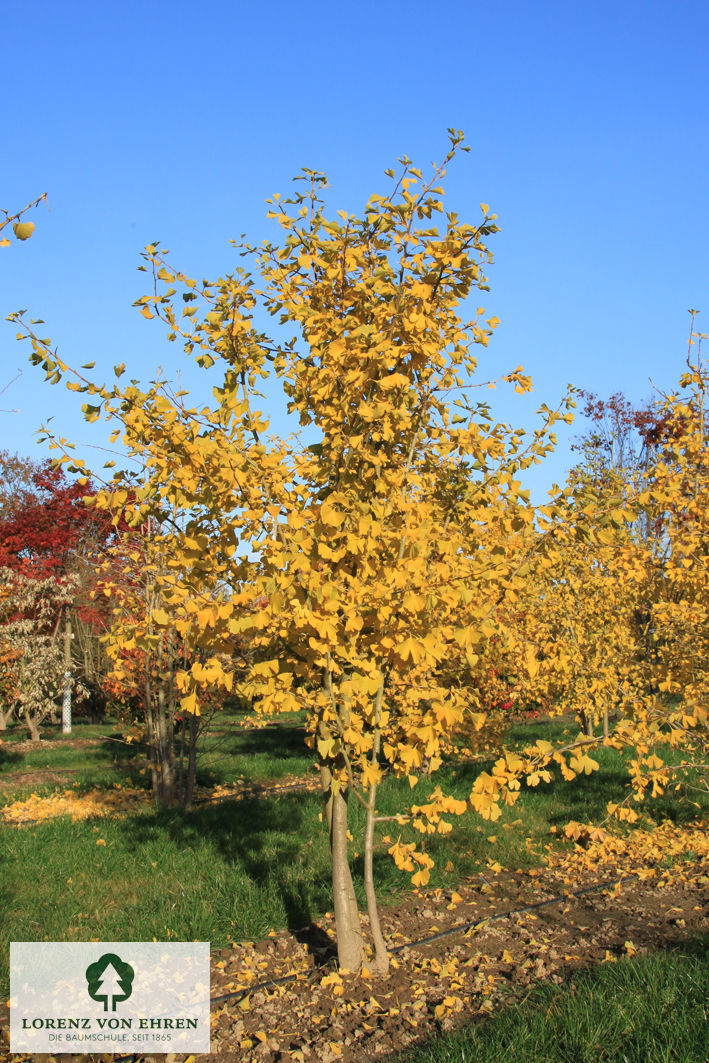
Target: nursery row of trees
383,568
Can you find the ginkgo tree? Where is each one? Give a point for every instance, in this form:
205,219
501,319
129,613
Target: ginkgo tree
675,491
582,607
32,665
390,554
617,609
385,539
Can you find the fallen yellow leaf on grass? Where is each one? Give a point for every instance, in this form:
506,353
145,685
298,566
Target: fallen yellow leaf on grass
112,802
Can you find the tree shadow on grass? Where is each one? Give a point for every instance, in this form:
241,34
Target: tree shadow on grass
277,740
8,758
116,748
586,798
262,836
128,760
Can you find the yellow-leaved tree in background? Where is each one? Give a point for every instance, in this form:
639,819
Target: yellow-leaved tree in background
618,608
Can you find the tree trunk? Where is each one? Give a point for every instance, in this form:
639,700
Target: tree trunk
191,764
347,924
381,957
32,728
165,752
150,732
181,785
326,783
606,728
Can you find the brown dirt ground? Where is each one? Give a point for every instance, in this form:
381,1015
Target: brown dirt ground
14,780
463,977
22,780
28,745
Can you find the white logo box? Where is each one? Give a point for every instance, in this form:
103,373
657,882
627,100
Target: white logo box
110,996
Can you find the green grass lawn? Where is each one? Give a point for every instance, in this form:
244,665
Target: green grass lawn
103,762
228,753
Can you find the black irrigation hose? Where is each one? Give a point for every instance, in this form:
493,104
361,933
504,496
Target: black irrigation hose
459,928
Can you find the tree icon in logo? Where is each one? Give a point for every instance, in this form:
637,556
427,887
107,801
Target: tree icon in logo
110,980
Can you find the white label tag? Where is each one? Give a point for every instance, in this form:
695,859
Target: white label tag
116,996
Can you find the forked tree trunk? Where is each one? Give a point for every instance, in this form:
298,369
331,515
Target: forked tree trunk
347,924
32,728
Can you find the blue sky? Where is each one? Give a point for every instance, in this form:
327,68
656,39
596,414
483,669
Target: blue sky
587,123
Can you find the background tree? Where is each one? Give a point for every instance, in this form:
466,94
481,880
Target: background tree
49,532
146,651
677,489
31,653
583,607
621,619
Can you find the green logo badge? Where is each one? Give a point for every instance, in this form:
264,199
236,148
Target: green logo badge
110,980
